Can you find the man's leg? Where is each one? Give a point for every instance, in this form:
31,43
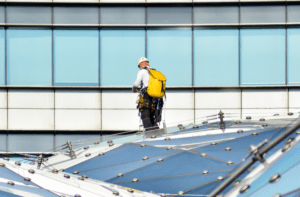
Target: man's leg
152,119
145,115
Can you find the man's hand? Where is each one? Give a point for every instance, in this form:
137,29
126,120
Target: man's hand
134,89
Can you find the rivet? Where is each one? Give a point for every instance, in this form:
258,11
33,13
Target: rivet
274,178
248,117
214,143
167,139
277,195
2,165
97,143
62,196
286,147
236,183
55,171
204,122
130,190
32,163
111,144
262,119
276,114
163,195
31,171
76,172
85,176
244,188
101,154
153,136
297,132
81,178
203,154
180,125
120,174
152,192
290,113
27,179
289,140
180,192
88,154
46,159
264,125
116,193
85,148
228,149
182,128
169,148
145,158
6,158
62,170
238,122
143,145
229,162
110,141
254,133
135,180
195,127
17,163
77,195
240,131
220,178
67,176
160,160
205,172
10,183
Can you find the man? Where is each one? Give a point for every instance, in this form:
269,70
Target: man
147,105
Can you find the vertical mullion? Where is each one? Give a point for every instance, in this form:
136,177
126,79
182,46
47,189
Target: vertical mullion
146,29
286,57
5,71
54,111
239,56
193,11
99,72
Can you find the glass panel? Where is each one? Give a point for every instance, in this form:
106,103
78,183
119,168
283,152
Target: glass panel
122,15
120,50
262,14
78,140
10,175
29,57
2,60
75,15
210,15
2,142
30,143
293,57
216,57
262,56
170,51
293,13
2,14
76,57
29,15
169,15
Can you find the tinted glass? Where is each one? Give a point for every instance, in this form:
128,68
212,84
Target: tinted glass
122,15
29,15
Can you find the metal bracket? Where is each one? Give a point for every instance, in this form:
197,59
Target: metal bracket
71,151
222,123
254,151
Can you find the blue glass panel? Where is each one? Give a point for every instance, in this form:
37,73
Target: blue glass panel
293,45
2,61
30,142
10,175
124,154
216,57
29,57
78,140
2,142
76,57
262,56
170,51
120,50
5,193
287,167
172,185
34,190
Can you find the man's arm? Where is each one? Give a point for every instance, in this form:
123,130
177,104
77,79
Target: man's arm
137,82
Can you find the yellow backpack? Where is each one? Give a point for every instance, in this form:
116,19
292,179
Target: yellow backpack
157,84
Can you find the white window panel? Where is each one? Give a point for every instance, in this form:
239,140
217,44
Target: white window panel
119,99
179,99
76,1
27,0
175,117
77,99
30,119
3,98
201,115
120,120
264,98
77,119
218,99
294,98
41,99
3,119
122,1
261,113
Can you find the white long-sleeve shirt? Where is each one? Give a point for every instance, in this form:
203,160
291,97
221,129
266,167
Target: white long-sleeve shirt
142,76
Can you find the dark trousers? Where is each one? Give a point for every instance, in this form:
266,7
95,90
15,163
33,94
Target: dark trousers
148,118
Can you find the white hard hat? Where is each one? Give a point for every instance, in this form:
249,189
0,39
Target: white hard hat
142,59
